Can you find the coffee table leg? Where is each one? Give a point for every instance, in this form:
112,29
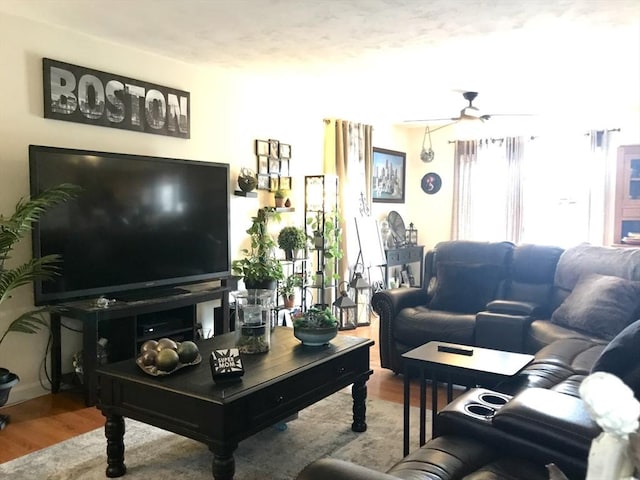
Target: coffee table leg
114,431
223,466
359,394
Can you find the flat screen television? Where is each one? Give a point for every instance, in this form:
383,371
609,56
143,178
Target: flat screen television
140,224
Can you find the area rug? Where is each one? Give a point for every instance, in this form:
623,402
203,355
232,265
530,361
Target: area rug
277,453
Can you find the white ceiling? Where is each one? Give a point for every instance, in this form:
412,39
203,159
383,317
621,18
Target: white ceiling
533,56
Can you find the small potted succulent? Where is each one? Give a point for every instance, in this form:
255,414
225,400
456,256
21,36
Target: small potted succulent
280,195
291,239
315,327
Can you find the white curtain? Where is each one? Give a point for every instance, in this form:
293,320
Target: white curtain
547,190
488,189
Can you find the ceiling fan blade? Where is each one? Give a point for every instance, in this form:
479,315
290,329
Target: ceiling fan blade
433,120
510,115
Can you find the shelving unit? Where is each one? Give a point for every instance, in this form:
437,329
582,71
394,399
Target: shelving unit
627,208
321,201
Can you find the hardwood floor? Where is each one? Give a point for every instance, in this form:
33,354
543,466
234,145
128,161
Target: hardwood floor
53,418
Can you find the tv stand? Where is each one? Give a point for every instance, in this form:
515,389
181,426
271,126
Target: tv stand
148,294
128,324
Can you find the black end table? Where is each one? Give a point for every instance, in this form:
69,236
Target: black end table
445,359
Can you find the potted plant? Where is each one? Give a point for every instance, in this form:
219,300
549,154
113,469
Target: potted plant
317,227
287,288
291,239
279,196
12,230
315,327
260,268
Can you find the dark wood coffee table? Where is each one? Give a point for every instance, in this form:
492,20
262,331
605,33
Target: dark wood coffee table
483,366
275,386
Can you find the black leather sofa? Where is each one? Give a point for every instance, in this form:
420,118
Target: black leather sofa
573,309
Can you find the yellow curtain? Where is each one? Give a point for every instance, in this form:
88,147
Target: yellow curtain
348,151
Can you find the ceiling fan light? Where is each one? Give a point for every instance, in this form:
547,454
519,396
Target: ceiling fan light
472,112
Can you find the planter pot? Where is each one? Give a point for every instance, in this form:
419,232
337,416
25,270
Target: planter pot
288,301
9,380
262,285
279,202
315,337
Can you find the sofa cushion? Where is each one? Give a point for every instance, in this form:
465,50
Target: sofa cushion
465,288
415,326
599,304
621,357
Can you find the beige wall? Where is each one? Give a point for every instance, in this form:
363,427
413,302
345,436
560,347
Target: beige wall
229,109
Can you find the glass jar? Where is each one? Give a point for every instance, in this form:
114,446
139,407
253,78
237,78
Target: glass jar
253,330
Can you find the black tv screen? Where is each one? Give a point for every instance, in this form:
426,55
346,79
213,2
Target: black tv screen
139,222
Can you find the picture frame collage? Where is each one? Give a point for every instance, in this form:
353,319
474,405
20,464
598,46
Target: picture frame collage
273,159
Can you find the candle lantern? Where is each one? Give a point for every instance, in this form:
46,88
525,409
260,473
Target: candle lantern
346,311
411,235
362,299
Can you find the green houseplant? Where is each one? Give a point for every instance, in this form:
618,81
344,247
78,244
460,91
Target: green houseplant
12,230
259,267
315,327
287,288
279,196
291,239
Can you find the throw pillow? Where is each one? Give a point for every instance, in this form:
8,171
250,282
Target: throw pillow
600,305
621,357
465,288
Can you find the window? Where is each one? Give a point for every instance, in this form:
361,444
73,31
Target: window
545,190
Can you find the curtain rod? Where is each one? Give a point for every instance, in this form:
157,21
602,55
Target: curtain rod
499,139
534,137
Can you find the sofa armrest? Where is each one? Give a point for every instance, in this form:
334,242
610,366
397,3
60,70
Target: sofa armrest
511,307
549,418
334,469
501,331
387,304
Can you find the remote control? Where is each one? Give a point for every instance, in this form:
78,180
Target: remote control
459,351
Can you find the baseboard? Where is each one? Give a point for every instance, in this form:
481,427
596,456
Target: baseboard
25,391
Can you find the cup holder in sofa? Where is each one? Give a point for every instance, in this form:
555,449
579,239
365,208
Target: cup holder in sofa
493,398
476,405
479,410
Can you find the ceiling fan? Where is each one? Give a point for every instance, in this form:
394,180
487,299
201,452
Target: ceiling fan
468,113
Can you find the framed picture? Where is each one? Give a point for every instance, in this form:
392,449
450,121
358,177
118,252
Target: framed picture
285,150
263,164
273,148
263,182
274,166
284,167
262,147
274,183
285,183
388,178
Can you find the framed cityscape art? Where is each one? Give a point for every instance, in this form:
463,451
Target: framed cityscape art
388,177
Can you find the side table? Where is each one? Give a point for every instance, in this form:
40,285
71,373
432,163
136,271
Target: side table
445,359
404,255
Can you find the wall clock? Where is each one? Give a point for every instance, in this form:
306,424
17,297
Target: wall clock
431,183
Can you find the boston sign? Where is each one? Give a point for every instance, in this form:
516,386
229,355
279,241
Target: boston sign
83,95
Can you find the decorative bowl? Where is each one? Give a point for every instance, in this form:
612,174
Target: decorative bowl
315,337
153,370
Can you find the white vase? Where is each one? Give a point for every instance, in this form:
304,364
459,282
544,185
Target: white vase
609,458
